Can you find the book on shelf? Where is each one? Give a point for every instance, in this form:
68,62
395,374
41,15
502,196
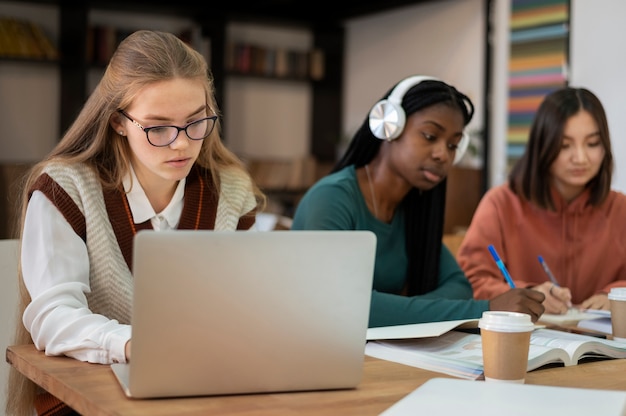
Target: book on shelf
317,64
459,353
279,62
102,41
47,49
24,39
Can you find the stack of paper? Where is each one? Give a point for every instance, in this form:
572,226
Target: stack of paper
601,322
443,396
572,317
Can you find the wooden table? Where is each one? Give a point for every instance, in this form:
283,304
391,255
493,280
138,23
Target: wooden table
92,389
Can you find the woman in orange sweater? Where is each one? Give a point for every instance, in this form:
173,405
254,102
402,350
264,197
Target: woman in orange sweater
557,204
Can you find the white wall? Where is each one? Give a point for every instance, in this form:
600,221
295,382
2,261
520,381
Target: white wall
30,91
29,94
444,39
267,118
500,92
425,43
597,62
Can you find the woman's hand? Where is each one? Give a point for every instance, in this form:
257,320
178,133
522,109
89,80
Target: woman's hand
558,299
127,351
598,301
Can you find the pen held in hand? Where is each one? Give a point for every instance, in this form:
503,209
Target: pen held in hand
501,266
548,272
552,279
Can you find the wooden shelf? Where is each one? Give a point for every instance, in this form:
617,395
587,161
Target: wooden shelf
463,194
327,98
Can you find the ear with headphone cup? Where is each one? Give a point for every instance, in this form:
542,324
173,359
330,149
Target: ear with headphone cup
461,148
387,117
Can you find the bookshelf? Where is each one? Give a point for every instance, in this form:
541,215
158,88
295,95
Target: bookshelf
77,74
29,98
23,39
28,73
89,34
80,64
281,81
275,62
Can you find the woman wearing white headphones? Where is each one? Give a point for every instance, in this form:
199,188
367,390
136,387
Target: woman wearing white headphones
392,181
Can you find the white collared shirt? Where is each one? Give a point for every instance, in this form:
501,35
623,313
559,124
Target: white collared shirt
55,270
142,210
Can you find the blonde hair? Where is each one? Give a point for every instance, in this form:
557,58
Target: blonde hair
143,58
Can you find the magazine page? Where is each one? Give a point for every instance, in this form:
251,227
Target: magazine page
454,353
459,354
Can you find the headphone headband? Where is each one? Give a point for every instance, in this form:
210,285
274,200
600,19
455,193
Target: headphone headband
387,117
403,86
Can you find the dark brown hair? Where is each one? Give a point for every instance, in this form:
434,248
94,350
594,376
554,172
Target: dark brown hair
530,176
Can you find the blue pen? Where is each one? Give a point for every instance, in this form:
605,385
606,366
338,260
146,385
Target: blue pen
548,272
552,279
501,266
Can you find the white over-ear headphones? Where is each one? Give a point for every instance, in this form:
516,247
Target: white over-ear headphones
387,117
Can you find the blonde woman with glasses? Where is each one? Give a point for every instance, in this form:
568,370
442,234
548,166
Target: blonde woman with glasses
144,153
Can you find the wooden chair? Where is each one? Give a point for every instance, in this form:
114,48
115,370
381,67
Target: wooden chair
9,296
453,242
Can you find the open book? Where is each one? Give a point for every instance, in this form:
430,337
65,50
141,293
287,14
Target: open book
459,353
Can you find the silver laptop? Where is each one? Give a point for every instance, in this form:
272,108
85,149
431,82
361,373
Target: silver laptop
218,313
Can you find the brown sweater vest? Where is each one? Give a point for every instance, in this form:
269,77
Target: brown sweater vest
72,190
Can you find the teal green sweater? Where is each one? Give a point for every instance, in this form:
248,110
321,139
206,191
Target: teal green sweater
336,203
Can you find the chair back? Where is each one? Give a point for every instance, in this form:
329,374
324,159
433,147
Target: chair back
453,242
9,298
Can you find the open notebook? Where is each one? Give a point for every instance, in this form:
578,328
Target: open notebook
234,312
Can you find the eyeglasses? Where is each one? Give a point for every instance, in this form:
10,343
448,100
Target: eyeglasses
161,136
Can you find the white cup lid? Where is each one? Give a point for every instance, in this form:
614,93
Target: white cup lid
618,293
502,321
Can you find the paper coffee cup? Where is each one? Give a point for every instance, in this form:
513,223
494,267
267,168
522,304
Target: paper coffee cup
505,343
617,299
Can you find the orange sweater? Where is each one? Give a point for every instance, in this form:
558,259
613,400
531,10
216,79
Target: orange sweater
584,246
